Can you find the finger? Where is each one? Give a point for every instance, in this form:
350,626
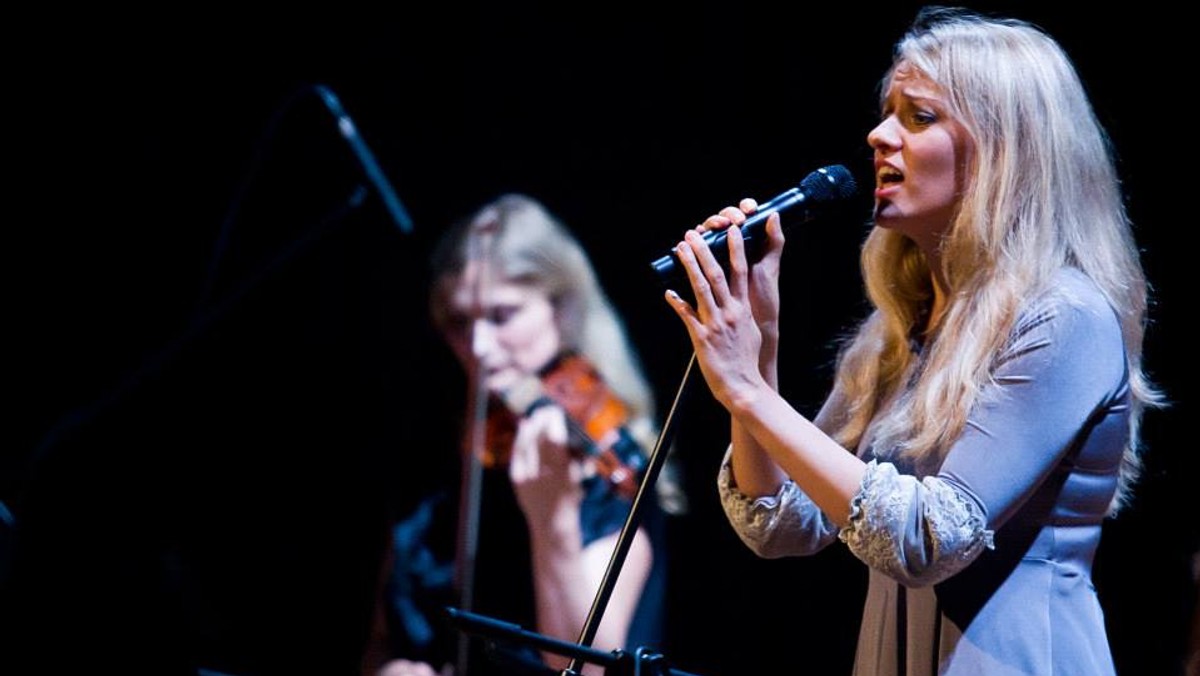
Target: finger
711,268
738,267
748,205
701,289
691,321
518,471
735,215
775,238
523,461
551,425
775,228
715,222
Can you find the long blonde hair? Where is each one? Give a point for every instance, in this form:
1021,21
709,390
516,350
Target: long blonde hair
1043,194
530,246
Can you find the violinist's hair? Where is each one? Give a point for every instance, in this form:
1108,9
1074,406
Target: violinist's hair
526,244
530,246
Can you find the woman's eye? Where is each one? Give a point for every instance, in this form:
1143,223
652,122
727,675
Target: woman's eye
500,314
923,118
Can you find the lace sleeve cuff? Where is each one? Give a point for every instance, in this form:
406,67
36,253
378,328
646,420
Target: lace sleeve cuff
918,532
785,524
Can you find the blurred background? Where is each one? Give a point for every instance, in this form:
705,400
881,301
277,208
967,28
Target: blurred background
221,370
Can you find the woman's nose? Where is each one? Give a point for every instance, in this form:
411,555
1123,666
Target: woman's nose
883,136
483,338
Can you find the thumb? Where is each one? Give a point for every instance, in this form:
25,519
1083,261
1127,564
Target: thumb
775,238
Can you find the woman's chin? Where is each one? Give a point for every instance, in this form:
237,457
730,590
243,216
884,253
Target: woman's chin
885,213
502,381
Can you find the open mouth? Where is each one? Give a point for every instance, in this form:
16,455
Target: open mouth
887,176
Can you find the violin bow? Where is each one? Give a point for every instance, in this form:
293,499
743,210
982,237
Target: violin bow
479,249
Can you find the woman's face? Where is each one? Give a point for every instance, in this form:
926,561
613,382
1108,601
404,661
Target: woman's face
921,157
510,334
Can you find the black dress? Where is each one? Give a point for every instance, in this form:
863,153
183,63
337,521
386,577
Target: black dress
421,582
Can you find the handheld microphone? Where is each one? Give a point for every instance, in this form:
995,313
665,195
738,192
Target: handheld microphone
823,188
366,159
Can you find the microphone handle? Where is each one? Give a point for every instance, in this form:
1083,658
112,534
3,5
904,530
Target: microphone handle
754,236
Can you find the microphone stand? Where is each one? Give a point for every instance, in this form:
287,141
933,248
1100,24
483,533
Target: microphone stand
619,662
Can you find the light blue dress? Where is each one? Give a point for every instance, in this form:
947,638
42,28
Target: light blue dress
982,566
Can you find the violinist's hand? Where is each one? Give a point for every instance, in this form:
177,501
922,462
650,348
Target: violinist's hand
723,326
545,475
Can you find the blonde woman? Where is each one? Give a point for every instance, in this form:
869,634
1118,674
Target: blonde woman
984,417
514,294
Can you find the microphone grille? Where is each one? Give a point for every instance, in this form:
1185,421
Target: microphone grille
833,182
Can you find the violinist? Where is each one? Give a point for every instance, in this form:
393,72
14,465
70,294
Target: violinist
560,419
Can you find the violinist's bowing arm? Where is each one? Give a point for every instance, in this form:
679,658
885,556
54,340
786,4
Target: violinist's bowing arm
546,476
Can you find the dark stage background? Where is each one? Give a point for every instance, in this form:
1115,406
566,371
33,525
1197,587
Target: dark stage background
205,430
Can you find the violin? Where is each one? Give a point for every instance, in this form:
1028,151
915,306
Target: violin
596,420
